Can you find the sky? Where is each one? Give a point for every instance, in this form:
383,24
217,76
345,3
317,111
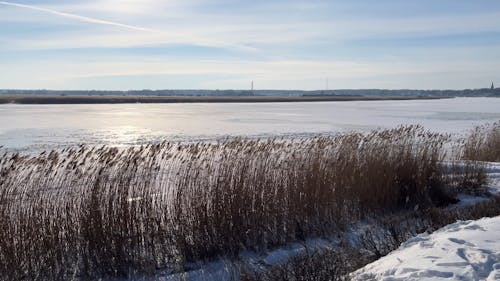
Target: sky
222,44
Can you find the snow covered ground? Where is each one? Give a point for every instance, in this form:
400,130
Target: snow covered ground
465,250
493,171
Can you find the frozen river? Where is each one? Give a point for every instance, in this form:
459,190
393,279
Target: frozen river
27,127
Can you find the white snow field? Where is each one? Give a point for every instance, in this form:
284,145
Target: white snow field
465,250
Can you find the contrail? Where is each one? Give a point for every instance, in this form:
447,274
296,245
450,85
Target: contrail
77,17
181,38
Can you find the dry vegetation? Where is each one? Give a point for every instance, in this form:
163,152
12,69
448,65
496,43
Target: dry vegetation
243,96
483,143
385,235
322,265
102,211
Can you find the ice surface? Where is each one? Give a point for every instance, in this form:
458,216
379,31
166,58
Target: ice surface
48,126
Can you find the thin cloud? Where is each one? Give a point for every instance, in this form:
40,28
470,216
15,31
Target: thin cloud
172,37
77,17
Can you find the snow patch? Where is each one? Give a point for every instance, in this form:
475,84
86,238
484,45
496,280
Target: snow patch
466,250
493,171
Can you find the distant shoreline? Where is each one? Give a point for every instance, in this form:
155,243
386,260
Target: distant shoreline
121,99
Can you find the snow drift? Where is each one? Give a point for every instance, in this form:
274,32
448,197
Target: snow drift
466,250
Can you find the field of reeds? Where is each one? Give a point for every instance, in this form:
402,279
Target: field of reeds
483,143
87,212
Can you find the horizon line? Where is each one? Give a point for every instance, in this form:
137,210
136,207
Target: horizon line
241,89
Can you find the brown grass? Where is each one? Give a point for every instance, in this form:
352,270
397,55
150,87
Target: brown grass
101,211
483,143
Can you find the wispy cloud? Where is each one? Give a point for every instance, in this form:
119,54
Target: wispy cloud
279,43
153,36
77,17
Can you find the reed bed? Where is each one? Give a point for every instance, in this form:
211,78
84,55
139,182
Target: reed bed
88,212
483,143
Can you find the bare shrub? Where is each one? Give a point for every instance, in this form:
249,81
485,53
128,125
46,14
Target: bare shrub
323,265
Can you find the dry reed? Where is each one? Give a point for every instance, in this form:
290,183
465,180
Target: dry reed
483,143
101,211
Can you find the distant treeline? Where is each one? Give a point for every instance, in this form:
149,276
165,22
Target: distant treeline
133,92
485,92
408,92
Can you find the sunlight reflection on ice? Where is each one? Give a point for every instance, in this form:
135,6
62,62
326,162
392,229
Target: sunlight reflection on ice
26,127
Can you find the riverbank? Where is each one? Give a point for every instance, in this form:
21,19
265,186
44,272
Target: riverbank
117,99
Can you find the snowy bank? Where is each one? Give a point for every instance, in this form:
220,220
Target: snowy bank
466,250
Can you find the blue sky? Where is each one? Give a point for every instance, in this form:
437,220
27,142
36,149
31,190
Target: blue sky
222,44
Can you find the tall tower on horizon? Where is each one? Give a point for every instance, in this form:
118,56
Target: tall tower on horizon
492,86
